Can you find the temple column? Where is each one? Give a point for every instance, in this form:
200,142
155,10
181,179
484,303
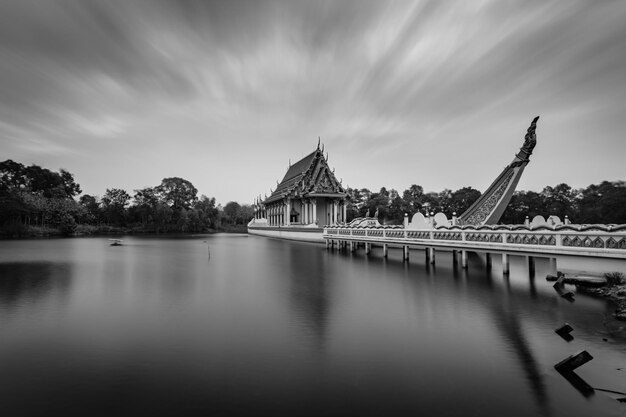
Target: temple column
335,211
288,216
314,211
345,217
306,211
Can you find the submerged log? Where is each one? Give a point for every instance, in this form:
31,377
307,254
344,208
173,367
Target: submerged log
564,331
574,361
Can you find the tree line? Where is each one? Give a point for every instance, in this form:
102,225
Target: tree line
33,198
37,200
597,203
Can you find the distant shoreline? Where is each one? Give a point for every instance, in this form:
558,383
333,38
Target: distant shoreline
36,232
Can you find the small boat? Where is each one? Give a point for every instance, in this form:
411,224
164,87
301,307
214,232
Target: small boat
116,242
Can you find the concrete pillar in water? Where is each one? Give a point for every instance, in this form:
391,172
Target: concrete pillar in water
385,249
488,260
368,248
505,263
464,259
531,265
455,258
553,266
427,253
405,250
432,255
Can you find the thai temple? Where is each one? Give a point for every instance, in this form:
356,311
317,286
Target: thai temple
308,198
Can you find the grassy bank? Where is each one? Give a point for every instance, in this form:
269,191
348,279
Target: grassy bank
21,231
614,290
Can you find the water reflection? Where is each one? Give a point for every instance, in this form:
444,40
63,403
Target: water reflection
506,316
309,291
31,282
272,326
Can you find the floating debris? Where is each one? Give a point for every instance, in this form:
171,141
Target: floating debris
574,361
564,331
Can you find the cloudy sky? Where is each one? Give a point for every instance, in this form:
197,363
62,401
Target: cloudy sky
224,93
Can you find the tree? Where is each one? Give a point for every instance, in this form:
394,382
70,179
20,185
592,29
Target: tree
177,193
231,211
462,199
560,201
114,202
145,204
522,204
91,209
70,187
246,213
603,203
207,211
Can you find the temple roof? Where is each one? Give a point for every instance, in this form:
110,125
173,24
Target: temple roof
309,176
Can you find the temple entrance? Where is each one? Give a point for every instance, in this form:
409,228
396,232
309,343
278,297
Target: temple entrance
294,216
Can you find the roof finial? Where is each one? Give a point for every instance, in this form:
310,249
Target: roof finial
289,162
322,148
318,142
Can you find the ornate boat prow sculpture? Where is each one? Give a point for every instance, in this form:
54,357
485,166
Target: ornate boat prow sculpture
489,207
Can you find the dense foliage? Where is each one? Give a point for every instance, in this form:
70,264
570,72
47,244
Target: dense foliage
33,198
602,203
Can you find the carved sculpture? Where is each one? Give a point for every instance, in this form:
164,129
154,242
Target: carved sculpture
489,207
530,140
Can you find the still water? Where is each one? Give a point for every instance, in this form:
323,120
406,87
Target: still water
235,325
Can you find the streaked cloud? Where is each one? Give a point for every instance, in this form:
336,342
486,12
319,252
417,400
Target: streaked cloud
224,93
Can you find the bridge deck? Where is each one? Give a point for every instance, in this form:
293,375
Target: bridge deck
596,243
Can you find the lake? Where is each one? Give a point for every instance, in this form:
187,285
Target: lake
225,325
